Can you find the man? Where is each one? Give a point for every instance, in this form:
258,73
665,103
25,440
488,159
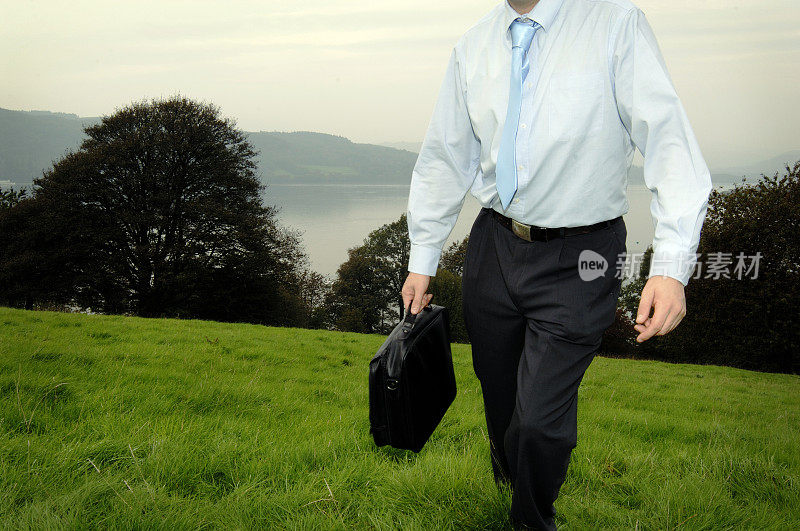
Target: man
541,108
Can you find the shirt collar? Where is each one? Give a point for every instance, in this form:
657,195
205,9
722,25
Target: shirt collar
544,12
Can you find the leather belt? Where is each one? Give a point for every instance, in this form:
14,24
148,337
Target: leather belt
534,233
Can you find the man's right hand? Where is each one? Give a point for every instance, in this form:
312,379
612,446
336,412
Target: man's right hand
414,291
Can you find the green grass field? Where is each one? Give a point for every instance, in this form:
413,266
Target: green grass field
110,421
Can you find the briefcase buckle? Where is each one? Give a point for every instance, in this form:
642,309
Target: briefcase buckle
521,230
391,384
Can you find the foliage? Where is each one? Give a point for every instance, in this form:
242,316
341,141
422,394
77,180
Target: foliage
357,300
619,340
10,198
446,286
158,213
365,296
453,257
313,289
742,318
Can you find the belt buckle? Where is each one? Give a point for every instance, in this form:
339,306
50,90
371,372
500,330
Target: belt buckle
521,230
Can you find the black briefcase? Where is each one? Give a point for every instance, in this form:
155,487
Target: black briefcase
411,380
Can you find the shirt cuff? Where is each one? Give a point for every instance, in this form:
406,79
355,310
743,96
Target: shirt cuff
424,259
676,264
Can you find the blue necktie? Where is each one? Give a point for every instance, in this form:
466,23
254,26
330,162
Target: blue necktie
506,171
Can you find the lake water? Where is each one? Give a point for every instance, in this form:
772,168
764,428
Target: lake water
333,218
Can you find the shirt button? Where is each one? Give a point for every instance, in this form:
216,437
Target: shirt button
515,201
523,126
520,167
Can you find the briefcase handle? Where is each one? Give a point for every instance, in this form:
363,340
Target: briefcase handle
410,318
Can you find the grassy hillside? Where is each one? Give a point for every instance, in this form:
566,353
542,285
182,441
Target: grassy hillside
128,422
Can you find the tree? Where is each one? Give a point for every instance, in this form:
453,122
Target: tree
453,257
736,317
365,296
25,275
619,340
367,293
358,300
389,247
313,288
446,287
10,198
159,212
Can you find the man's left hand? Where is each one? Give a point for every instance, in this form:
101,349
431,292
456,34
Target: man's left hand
665,296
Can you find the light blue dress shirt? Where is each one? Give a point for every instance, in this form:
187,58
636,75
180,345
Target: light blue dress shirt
598,88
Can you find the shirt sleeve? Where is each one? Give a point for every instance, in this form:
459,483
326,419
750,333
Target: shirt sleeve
446,167
674,169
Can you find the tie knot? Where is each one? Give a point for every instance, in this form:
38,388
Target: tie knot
522,33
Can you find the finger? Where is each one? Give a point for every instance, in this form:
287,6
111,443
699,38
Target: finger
417,303
677,318
645,303
659,314
408,294
681,315
669,322
648,330
643,326
407,298
646,334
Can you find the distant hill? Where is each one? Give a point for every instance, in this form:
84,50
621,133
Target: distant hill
30,141
734,174
304,157
767,167
414,147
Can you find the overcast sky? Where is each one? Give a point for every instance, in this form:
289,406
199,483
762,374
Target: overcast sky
370,69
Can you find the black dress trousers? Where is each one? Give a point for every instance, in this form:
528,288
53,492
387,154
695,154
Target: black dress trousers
535,320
